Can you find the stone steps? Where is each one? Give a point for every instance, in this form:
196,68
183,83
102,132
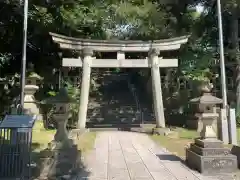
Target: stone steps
146,106
115,106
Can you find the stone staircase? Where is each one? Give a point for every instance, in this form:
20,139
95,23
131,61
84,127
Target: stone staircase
146,105
115,107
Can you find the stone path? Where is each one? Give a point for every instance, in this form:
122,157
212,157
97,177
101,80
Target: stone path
133,156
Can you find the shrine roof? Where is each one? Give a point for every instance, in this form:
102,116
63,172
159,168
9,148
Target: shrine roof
66,42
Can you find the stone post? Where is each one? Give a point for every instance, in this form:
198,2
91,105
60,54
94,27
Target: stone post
157,89
85,87
224,133
232,127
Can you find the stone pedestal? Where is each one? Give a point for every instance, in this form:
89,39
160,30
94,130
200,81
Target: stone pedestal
64,164
208,156
66,159
61,139
236,151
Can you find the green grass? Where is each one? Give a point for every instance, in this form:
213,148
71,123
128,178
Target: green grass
42,137
238,134
187,134
175,145
180,139
86,142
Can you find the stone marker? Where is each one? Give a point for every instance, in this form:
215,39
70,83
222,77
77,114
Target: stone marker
232,127
223,127
207,154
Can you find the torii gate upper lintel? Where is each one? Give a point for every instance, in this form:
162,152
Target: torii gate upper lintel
87,62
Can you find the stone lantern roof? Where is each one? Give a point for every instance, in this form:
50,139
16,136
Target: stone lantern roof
207,98
61,97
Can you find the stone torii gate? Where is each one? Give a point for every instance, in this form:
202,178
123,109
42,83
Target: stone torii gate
87,61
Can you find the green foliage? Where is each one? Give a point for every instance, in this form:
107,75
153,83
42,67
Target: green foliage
94,19
197,58
238,118
9,91
4,58
198,75
74,107
51,93
74,93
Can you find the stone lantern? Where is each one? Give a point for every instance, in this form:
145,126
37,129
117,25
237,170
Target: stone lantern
31,87
64,149
61,114
208,154
206,105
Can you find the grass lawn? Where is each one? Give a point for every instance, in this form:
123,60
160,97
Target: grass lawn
41,138
179,140
86,142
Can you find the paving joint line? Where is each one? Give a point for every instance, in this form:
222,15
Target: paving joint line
167,168
142,161
108,159
124,159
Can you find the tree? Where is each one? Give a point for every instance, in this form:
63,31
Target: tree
144,20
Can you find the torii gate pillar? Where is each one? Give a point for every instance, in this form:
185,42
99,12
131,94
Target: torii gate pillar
85,87
157,89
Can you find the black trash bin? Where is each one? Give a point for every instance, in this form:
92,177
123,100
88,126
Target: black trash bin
15,146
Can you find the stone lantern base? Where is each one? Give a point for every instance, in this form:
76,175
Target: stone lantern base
208,156
61,139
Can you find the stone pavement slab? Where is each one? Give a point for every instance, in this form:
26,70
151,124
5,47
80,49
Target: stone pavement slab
134,156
